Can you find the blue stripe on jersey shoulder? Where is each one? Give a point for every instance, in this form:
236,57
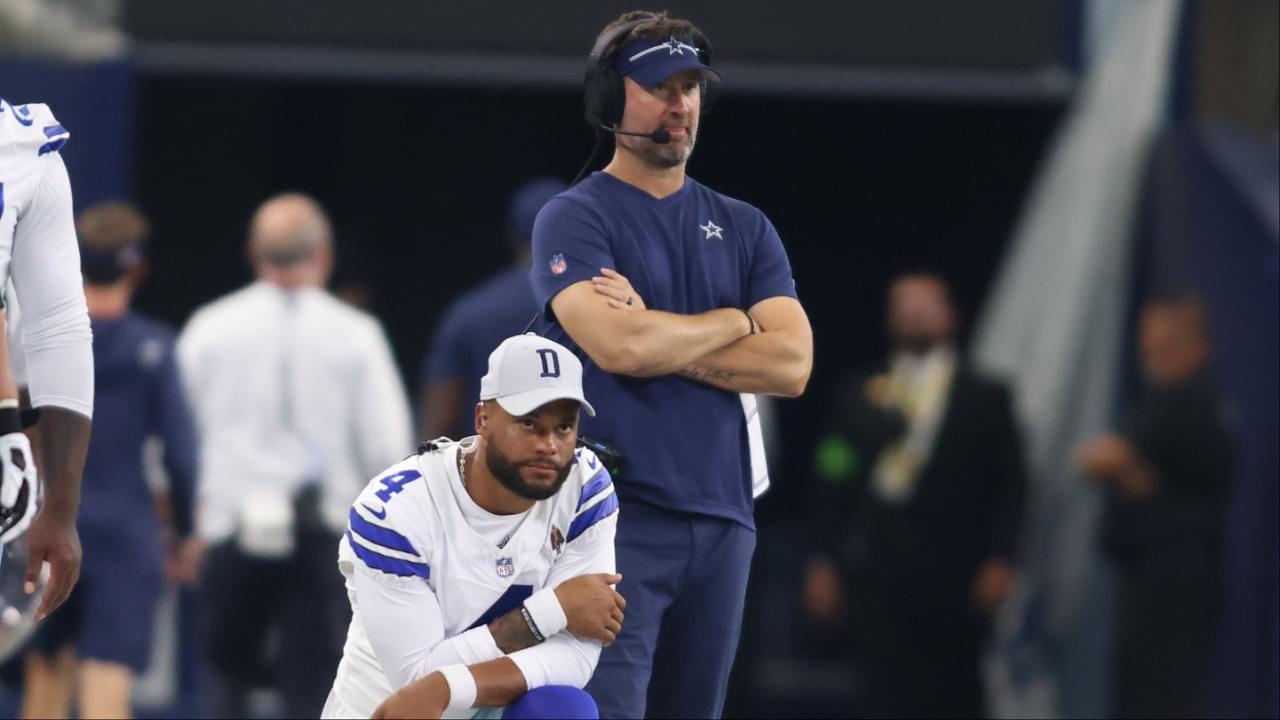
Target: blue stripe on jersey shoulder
22,114
600,511
54,146
594,487
393,566
379,535
51,130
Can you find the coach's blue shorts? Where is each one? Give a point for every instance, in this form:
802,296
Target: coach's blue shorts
685,581
108,617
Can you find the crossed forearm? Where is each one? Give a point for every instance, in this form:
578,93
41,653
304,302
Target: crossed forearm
511,633
768,362
657,343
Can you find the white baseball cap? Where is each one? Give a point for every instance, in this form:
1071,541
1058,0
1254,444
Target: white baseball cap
529,371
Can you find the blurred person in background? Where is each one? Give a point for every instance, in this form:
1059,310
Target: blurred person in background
50,339
1167,476
298,402
107,625
473,325
76,30
919,513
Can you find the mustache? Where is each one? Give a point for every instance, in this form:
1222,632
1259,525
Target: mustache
552,463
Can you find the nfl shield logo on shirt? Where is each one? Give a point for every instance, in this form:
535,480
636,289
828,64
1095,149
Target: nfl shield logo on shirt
558,264
505,567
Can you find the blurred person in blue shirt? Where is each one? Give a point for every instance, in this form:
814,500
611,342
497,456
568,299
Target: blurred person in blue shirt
100,640
475,323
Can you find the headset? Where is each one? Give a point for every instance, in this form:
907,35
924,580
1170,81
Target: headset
603,92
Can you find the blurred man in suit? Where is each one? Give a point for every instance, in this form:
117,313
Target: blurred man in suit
921,503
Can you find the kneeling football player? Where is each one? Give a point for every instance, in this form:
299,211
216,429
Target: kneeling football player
481,572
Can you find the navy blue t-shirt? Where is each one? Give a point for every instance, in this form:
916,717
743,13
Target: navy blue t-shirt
685,442
471,327
137,394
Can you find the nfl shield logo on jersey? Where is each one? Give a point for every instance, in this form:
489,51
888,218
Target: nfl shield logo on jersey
505,567
558,264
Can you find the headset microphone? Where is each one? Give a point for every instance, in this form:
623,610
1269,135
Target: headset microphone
661,136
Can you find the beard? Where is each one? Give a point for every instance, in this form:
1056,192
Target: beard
672,154
508,473
918,342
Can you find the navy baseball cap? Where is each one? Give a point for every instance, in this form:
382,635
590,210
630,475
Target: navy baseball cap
649,61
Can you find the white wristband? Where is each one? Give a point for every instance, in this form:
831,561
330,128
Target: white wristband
545,609
462,686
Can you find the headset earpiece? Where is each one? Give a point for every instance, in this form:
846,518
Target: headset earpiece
603,93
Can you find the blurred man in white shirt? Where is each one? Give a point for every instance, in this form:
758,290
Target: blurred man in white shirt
298,403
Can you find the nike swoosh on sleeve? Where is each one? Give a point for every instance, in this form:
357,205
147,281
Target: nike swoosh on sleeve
380,515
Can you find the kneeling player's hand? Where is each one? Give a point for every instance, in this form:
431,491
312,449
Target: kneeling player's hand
592,606
424,698
615,286
18,485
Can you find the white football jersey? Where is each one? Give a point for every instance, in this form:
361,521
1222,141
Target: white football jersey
40,260
408,526
30,138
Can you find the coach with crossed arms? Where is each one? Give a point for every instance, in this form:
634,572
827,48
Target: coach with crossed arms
680,299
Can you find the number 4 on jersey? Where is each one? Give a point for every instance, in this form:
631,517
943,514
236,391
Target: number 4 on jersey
393,484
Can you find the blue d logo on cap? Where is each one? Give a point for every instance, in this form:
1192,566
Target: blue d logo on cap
528,371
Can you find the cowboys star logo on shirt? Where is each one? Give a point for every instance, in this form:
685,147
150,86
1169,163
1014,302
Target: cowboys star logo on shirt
712,230
505,567
558,264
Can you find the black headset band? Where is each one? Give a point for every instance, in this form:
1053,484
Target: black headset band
600,51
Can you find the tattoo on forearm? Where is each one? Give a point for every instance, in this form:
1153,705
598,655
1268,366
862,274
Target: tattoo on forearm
705,374
511,633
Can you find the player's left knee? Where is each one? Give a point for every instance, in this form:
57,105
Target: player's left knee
553,701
